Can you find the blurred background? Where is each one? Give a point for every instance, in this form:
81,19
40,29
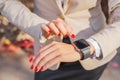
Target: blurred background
16,47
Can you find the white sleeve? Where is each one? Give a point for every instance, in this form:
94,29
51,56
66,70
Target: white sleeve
97,53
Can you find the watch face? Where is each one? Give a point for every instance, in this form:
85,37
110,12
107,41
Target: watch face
81,44
84,48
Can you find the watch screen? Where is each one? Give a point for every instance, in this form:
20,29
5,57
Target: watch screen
81,44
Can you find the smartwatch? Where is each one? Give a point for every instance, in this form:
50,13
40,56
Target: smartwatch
83,47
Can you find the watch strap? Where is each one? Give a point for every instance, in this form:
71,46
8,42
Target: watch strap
85,53
83,47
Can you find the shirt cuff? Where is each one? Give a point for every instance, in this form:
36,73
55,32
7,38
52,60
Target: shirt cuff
97,53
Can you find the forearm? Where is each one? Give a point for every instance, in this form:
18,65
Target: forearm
21,16
109,38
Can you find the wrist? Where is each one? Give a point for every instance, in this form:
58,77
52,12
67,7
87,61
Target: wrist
83,48
92,49
95,48
78,51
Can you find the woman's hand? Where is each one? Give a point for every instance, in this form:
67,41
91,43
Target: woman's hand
57,27
54,53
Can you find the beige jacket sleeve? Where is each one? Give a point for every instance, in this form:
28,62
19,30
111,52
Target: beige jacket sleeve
21,16
109,38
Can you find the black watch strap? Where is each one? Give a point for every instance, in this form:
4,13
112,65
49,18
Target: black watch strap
83,47
85,53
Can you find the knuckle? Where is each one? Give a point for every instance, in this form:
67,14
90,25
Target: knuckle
35,62
57,46
54,42
44,60
46,66
68,26
58,23
58,19
38,66
41,63
40,55
50,24
65,32
53,21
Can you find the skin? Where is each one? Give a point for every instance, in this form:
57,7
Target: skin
56,27
56,52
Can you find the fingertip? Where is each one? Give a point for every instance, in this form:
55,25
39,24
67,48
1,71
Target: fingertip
36,69
31,58
66,35
41,69
73,36
32,67
50,31
58,34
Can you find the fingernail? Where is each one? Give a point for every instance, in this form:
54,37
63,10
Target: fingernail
73,36
36,69
66,35
31,59
32,67
41,69
50,31
59,35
